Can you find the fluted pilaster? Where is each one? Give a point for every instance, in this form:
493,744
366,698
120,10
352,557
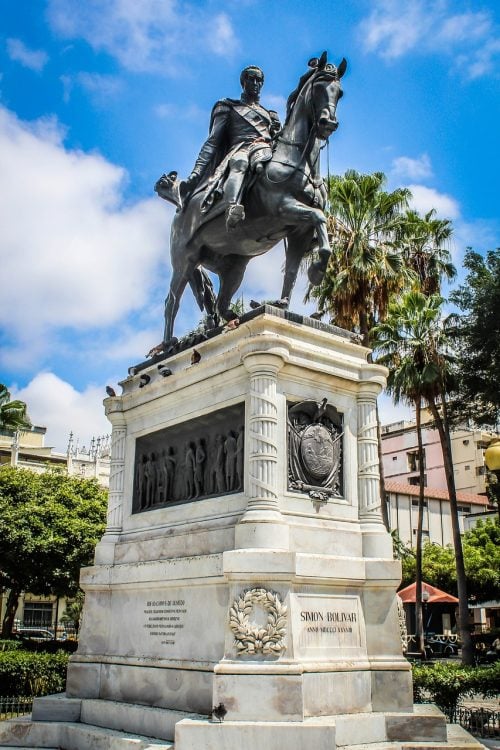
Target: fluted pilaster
368,464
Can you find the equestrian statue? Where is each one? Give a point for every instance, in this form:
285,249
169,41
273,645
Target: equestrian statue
254,183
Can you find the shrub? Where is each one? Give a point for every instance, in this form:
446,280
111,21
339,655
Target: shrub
446,684
8,645
30,673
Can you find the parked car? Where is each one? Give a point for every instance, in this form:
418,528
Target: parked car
441,646
34,634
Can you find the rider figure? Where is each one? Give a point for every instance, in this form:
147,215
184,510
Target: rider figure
240,134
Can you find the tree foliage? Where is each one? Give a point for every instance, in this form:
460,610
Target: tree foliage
477,335
49,526
481,549
13,414
366,267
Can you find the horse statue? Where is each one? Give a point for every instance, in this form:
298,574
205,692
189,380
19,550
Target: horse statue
284,200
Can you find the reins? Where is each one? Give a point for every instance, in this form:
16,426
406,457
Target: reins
306,147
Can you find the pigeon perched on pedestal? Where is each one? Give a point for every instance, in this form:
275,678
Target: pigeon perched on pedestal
219,712
144,380
195,357
110,391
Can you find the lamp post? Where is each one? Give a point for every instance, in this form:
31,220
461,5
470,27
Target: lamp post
425,599
492,461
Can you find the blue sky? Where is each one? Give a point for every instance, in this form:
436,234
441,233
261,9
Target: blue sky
98,98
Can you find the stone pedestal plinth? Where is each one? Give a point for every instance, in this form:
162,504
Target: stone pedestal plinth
245,565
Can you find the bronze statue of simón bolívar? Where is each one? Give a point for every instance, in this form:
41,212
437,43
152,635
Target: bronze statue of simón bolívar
253,184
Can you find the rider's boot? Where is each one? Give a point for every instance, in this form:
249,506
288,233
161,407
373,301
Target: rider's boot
232,193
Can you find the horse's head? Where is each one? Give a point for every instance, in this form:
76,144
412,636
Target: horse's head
317,96
324,93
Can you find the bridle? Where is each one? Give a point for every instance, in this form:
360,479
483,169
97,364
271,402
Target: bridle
307,146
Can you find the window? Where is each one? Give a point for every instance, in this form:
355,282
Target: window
463,508
394,458
415,503
412,459
37,614
415,481
480,471
467,467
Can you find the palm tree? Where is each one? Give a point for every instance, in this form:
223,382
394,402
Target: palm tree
423,240
366,268
13,414
413,344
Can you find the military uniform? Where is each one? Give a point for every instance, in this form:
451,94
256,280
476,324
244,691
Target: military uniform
238,131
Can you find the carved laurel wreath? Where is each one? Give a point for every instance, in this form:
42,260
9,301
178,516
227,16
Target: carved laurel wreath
248,637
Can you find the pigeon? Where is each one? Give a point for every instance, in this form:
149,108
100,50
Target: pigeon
195,357
164,371
144,380
219,712
231,325
254,304
110,391
317,315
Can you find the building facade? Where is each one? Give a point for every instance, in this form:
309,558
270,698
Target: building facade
400,456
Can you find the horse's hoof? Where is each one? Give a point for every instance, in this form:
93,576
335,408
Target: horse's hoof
316,272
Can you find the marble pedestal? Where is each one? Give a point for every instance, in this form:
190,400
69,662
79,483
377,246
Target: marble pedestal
277,602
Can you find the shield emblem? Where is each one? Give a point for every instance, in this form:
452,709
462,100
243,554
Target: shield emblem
316,449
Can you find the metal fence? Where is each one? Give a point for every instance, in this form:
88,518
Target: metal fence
12,706
483,722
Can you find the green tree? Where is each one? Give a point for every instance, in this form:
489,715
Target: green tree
13,414
423,242
481,549
366,268
427,358
401,342
482,559
49,526
477,338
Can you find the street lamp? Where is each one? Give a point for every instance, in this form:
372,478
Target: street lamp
425,599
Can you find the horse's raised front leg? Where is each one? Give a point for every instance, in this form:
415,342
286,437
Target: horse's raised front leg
298,244
298,213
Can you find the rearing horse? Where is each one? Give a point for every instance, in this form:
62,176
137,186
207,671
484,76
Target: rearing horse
284,200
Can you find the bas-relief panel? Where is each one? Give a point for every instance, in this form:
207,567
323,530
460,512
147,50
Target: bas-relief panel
199,458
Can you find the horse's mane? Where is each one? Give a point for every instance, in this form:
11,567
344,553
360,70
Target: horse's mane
319,72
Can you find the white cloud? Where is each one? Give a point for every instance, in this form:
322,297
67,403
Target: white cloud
75,254
424,199
151,35
413,169
30,58
395,28
55,404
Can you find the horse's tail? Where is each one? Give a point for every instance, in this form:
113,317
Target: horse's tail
203,290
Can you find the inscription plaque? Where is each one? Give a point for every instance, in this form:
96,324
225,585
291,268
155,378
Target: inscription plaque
164,619
327,626
199,458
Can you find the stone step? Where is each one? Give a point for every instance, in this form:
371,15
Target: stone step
457,738
24,733
124,717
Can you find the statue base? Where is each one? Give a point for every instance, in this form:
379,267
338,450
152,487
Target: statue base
245,566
